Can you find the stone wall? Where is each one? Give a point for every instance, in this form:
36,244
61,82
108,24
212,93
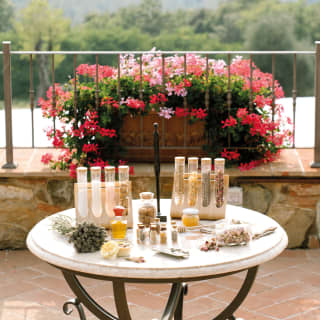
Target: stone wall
25,201
291,202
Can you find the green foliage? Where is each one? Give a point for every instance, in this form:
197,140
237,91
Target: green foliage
278,34
6,15
166,25
50,29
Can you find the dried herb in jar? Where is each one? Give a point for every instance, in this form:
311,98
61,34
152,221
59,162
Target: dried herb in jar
178,187
192,181
219,181
205,181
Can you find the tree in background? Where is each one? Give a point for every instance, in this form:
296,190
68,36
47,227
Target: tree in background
6,15
41,28
272,33
142,24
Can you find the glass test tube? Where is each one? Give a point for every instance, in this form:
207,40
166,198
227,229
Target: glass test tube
179,166
219,164
205,180
192,181
96,191
109,177
82,192
124,187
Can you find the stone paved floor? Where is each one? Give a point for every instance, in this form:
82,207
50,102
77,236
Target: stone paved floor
286,288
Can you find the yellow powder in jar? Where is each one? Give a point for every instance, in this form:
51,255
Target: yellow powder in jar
190,217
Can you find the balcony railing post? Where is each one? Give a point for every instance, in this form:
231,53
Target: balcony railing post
8,104
316,160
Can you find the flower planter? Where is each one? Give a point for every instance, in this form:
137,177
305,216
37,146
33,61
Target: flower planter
177,137
237,108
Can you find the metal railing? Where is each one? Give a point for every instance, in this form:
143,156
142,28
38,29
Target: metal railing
8,89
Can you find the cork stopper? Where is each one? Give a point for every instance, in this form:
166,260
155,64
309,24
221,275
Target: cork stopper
179,164
146,195
220,161
109,173
192,164
123,173
219,164
82,174
163,227
95,174
206,164
179,160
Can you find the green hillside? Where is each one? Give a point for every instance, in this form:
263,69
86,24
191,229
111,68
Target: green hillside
77,10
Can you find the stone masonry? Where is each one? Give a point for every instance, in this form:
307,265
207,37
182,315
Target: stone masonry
25,201
287,190
291,204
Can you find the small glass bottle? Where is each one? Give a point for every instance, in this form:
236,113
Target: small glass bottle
96,191
178,187
119,224
147,210
137,230
157,223
82,195
192,181
205,181
142,235
163,234
153,234
174,234
219,181
190,217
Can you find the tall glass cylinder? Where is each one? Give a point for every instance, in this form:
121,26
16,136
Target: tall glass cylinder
96,191
219,164
178,187
192,181
109,177
82,179
205,181
124,187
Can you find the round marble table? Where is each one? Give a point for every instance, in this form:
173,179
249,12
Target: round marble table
55,249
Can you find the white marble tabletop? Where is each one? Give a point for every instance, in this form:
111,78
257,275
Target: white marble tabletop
53,248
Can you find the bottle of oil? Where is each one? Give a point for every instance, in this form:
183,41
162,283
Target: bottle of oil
119,223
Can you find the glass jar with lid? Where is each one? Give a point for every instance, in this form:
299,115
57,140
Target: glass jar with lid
147,209
190,217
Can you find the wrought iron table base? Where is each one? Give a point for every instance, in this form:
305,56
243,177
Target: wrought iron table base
174,306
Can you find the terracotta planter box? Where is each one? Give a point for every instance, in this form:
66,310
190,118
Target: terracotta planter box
177,137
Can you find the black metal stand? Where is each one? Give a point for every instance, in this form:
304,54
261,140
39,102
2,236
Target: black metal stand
76,303
174,306
163,218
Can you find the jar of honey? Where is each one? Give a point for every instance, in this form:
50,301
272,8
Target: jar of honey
190,217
